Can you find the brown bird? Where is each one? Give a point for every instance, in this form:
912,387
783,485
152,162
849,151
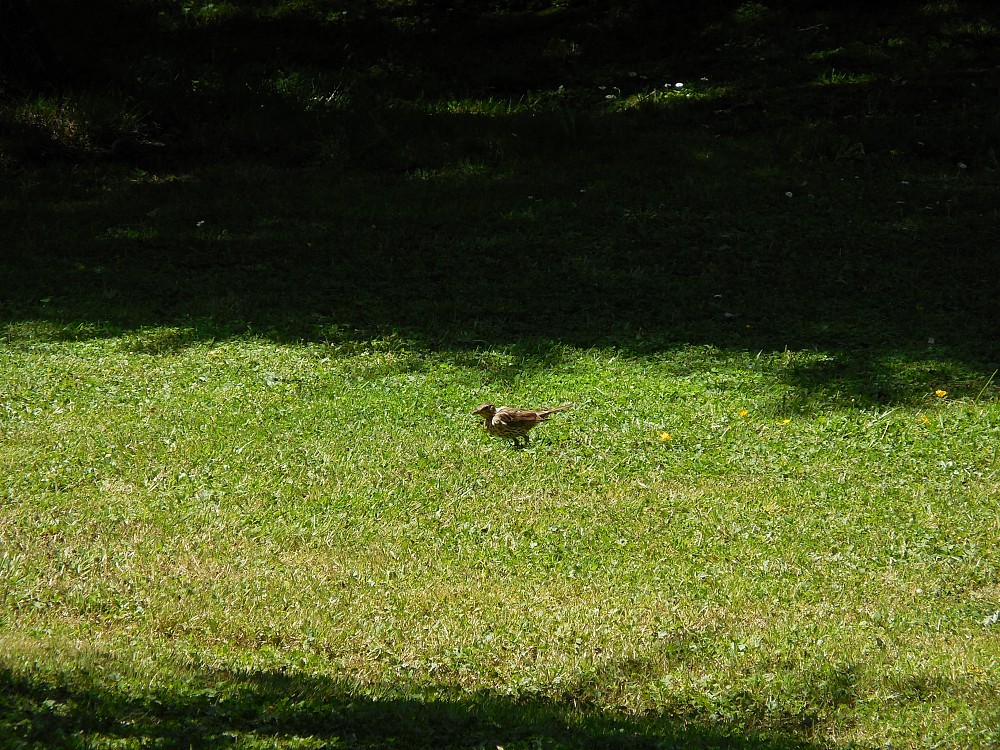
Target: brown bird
515,424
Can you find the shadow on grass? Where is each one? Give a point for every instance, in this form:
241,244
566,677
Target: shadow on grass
271,709
629,240
813,202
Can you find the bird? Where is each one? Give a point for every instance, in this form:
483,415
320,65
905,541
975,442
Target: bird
513,423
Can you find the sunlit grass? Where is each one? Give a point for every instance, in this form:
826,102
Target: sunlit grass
252,506
671,93
834,77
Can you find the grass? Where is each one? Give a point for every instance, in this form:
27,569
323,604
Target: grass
244,501
194,521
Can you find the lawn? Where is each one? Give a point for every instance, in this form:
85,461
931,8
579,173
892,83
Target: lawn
247,308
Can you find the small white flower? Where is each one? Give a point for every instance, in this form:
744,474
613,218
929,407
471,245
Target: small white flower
609,96
788,194
632,74
678,85
904,182
200,223
963,165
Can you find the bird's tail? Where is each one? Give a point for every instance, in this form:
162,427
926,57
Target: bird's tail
564,407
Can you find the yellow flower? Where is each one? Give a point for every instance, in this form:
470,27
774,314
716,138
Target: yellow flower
744,412
940,393
666,436
785,421
924,419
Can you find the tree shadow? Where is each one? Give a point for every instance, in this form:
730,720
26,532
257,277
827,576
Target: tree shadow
777,213
214,709
467,261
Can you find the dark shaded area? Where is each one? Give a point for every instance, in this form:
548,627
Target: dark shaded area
339,172
26,60
276,79
216,710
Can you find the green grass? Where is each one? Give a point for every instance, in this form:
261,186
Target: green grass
180,526
244,503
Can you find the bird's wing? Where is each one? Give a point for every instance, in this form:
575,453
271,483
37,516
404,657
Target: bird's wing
509,415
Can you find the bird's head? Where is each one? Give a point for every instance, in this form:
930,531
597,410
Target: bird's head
485,410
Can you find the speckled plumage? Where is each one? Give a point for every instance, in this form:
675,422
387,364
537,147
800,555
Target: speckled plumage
513,423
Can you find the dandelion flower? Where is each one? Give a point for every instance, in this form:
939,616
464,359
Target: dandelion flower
924,419
665,436
744,412
940,393
785,421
